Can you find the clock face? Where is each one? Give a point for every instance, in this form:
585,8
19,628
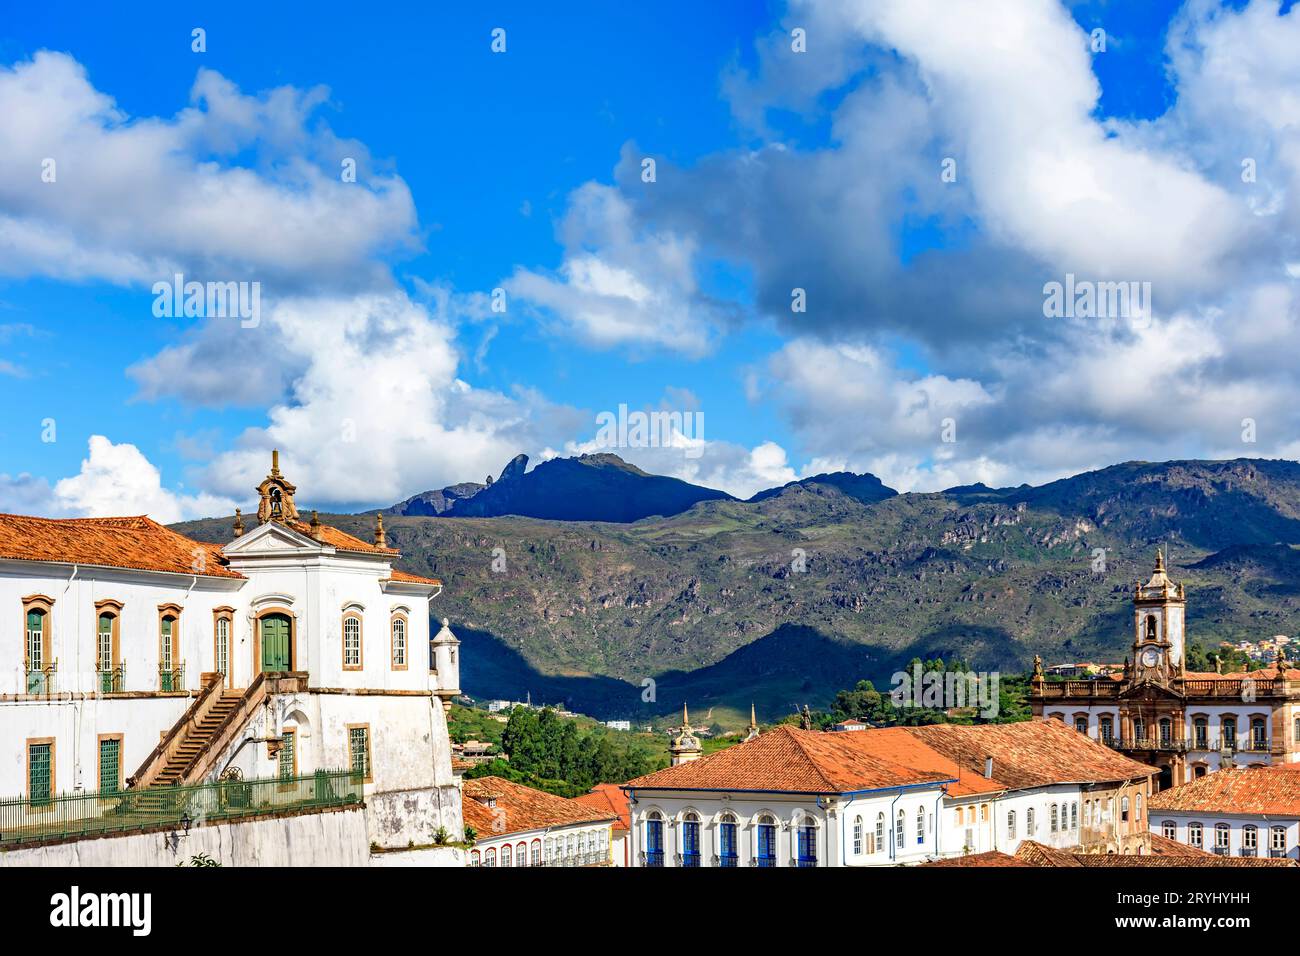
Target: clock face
1150,657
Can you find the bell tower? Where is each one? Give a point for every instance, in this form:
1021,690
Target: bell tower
275,495
1158,618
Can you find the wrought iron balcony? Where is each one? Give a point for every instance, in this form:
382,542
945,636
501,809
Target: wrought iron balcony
111,680
171,679
40,680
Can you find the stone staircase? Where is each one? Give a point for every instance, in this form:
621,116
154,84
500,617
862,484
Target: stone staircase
197,739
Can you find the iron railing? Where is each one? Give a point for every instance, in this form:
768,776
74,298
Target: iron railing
171,679
73,815
40,680
111,680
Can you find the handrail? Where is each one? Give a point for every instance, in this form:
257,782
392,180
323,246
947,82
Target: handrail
187,718
245,706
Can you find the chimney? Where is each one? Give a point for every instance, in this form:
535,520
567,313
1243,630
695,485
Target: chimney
315,525
988,768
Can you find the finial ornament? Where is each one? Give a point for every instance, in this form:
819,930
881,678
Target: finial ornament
315,524
381,539
239,523
275,496
275,463
1160,559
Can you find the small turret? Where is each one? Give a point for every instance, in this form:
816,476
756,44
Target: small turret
685,747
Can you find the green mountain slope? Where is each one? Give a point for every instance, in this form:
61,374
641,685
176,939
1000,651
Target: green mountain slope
710,605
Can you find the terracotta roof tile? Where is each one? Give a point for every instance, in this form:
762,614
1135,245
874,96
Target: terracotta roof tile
1030,753
613,798
794,761
1037,854
519,808
137,543
408,578
1161,845
340,540
987,859
1256,790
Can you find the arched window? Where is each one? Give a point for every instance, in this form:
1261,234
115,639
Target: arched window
107,647
171,676
490,857
221,623
1138,798
1229,733
1054,821
691,840
880,833
1249,840
1151,627
920,826
1011,824
766,855
37,653
654,841
1166,731
535,855
1258,734
1277,841
352,641
507,855
1140,728
961,813
1107,729
399,642
521,855
1201,733
1074,815
1123,808
474,858
1194,834
857,836
1029,821
1169,830
1081,724
899,824
1222,837
807,843
728,845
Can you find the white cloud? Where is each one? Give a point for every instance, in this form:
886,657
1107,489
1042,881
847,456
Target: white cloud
616,287
138,198
118,480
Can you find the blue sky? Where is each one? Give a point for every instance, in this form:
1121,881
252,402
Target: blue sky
521,171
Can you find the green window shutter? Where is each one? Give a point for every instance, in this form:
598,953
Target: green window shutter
286,755
109,764
38,773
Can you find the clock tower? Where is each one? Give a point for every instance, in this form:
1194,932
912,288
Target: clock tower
1158,614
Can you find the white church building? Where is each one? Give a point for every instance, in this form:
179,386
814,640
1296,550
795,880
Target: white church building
139,657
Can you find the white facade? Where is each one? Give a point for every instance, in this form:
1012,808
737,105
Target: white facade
586,844
383,694
1227,834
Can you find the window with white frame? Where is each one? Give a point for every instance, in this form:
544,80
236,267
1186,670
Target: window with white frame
1169,829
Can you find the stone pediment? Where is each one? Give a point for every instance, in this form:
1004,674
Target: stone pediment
1150,690
272,538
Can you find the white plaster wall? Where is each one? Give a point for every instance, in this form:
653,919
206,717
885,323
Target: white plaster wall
316,839
1235,823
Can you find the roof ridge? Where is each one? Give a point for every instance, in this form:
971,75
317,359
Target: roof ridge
799,742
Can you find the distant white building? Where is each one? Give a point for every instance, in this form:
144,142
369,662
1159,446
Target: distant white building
515,825
1244,811
802,798
619,724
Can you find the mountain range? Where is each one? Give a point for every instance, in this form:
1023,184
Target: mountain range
613,577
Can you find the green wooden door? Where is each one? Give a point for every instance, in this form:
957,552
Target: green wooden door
275,643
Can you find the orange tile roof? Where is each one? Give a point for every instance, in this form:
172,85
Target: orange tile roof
137,543
902,746
1030,753
1161,845
519,808
339,540
1255,790
1039,855
989,858
407,578
794,761
613,798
